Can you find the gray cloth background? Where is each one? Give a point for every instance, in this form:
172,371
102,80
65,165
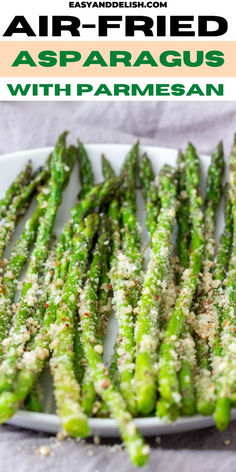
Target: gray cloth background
25,125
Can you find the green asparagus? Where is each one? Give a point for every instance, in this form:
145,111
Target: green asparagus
126,277
204,383
19,334
15,189
87,183
222,409
167,377
31,366
103,384
33,401
32,363
85,170
95,273
66,388
88,393
147,329
107,170
12,271
19,206
224,365
99,269
87,267
182,217
114,219
187,346
150,193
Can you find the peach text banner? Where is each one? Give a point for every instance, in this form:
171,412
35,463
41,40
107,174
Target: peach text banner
10,50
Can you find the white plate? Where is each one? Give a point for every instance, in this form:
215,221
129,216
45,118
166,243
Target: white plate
10,165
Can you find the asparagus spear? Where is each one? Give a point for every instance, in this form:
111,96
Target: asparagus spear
32,364
182,216
166,411
114,220
128,169
169,284
225,243
13,270
204,383
88,394
33,402
167,377
150,193
79,361
146,174
93,352
96,197
104,311
60,171
44,282
66,388
15,189
85,170
187,345
130,230
88,391
104,294
16,264
126,281
107,170
100,272
213,196
87,183
19,206
186,377
97,274
113,212
152,203
224,367
146,331
187,355
222,410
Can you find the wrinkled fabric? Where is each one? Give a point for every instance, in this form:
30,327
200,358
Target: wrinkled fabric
25,125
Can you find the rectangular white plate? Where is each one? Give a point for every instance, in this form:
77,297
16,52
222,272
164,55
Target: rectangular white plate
10,166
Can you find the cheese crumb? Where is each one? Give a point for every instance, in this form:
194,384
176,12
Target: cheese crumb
96,440
158,440
98,348
62,435
227,442
43,451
